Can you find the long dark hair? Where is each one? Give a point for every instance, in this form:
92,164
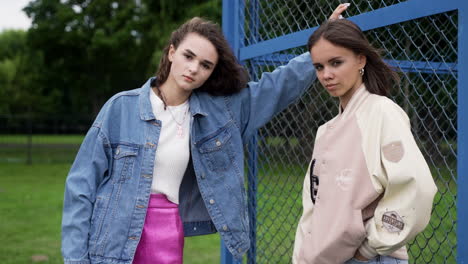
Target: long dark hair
378,76
228,76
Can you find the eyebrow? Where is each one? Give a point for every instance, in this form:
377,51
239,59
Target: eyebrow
193,54
330,60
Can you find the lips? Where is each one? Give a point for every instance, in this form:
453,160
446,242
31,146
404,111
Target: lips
188,79
331,86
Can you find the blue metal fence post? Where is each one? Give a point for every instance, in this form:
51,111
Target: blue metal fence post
462,135
230,24
254,25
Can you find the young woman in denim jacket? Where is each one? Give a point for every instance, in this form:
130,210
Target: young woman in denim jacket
166,160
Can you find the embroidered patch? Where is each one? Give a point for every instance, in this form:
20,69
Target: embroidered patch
393,151
343,179
392,222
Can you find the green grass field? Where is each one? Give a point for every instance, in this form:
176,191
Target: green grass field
31,208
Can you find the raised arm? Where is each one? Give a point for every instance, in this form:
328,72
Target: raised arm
276,90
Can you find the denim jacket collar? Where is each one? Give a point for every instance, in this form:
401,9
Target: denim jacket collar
146,112
195,106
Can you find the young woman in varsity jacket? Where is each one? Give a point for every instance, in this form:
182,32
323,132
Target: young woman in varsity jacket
368,190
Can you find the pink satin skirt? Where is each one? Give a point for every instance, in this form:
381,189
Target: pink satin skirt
162,240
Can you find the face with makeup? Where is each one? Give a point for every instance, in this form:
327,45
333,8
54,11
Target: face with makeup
337,69
192,62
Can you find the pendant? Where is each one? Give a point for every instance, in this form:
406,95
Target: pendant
180,131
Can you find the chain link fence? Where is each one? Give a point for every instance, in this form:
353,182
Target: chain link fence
423,51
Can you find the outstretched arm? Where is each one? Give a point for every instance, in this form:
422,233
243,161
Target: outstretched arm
274,91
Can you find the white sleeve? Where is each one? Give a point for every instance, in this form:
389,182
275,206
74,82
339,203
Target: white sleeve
405,208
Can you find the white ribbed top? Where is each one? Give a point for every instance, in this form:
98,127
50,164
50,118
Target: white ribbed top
172,154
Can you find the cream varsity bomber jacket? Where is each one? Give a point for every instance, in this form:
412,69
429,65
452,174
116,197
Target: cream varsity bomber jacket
368,187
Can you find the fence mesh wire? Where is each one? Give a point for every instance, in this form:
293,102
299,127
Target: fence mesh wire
423,51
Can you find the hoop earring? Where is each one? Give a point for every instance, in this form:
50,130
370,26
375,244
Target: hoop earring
361,71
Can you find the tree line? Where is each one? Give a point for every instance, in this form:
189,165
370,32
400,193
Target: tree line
78,53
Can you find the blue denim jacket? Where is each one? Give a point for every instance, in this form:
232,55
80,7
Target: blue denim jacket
108,187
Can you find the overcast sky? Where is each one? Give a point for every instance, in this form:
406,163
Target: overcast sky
11,16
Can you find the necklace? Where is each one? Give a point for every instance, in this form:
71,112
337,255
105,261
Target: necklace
180,128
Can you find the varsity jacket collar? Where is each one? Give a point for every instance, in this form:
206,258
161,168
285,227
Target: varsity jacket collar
356,100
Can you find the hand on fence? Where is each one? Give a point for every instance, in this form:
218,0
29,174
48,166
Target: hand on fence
338,11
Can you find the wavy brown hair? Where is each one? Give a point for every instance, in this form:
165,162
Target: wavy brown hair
378,76
228,76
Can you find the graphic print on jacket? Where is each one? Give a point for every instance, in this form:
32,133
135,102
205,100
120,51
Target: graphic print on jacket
314,182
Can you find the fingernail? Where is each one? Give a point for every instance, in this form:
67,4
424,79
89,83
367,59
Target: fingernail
347,4
340,17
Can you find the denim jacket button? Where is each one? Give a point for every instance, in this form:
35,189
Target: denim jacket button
203,176
225,228
218,143
212,201
117,152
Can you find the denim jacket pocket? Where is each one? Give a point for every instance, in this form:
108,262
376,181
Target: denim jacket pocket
124,159
215,149
97,221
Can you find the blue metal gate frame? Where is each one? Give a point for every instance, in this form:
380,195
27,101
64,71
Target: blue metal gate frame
462,139
233,20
